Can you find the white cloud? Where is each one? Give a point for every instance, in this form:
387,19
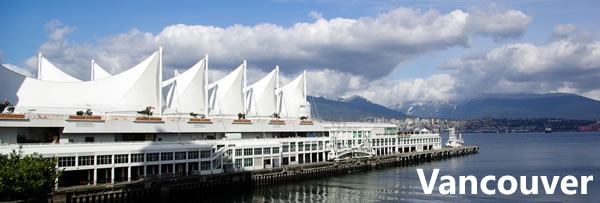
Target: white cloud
567,65
499,24
343,56
376,44
315,15
57,30
562,30
390,92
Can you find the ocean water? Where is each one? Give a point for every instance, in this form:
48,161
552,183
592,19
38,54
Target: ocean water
530,154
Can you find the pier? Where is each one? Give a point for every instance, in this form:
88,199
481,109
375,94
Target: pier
168,188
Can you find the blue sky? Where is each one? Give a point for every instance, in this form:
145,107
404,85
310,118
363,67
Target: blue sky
350,46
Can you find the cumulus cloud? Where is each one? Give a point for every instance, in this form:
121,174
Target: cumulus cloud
343,56
567,65
315,14
377,44
498,24
562,30
390,92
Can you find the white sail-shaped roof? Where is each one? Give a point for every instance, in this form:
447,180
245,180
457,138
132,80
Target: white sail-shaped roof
188,91
262,100
48,72
129,91
98,72
227,94
292,98
10,82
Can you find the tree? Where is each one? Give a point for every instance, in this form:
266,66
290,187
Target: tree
29,177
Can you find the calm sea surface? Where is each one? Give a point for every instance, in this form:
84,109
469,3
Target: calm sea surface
555,154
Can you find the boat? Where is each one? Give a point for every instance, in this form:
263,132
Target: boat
130,131
548,130
454,141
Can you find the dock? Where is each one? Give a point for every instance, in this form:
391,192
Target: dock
168,188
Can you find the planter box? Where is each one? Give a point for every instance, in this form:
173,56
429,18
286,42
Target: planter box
12,116
242,121
73,117
306,122
277,122
200,120
148,119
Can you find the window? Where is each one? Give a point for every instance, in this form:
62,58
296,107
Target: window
121,158
151,157
205,154
180,155
248,162
238,152
104,159
275,150
292,159
193,155
313,146
257,151
137,158
86,160
166,156
205,165
307,147
267,150
300,146
247,152
89,139
292,147
286,148
238,163
66,161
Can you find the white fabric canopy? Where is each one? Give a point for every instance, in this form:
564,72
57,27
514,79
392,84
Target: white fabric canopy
98,72
10,82
262,100
48,72
188,91
292,98
129,91
227,95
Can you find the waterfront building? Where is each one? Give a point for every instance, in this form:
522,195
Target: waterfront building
135,125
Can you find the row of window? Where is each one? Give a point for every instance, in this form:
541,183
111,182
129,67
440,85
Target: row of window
246,162
301,146
420,140
135,158
256,151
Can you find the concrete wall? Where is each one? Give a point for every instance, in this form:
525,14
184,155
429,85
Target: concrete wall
81,137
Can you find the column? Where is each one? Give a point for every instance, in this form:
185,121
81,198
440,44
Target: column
129,173
95,175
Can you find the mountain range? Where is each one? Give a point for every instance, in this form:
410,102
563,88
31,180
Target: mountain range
510,106
355,108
